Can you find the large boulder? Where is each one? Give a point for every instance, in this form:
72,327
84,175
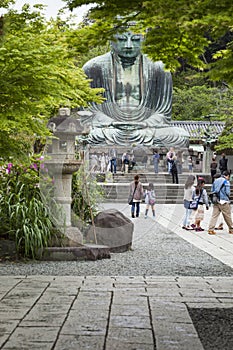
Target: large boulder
73,237
113,229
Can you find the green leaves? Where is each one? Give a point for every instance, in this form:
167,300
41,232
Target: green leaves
173,29
24,216
194,102
38,74
86,194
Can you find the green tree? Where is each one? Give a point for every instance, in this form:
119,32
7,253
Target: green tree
38,74
197,101
6,3
174,30
225,141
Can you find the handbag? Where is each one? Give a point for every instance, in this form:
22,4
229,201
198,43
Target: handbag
194,204
130,198
215,196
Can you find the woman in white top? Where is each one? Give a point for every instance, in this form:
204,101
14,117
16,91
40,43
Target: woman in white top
188,191
103,162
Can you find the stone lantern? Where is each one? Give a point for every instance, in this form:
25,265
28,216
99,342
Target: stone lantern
62,164
209,140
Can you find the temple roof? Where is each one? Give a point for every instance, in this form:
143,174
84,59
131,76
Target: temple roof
198,129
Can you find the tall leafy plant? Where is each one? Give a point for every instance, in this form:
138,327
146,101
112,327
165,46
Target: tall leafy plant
86,194
24,216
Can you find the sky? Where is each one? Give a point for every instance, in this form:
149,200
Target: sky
53,6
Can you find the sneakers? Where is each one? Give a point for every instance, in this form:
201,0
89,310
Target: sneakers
198,229
212,232
145,216
193,226
220,227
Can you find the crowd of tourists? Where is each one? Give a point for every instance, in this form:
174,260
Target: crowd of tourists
196,200
108,162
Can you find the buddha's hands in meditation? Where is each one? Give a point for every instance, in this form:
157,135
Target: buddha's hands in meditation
129,125
103,121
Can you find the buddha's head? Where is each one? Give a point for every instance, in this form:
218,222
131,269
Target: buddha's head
127,45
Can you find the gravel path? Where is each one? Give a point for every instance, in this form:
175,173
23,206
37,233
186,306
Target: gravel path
156,251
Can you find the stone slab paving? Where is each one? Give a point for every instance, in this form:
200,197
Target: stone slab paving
114,308
104,312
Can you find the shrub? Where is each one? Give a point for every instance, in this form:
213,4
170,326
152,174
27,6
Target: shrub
86,194
24,216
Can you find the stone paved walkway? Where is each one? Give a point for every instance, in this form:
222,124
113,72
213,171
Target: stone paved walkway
116,312
106,313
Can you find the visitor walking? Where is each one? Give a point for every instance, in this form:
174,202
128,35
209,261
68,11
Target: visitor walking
220,218
221,186
223,163
170,154
200,195
213,168
103,162
150,200
113,159
156,157
136,190
144,161
190,164
125,162
174,170
132,161
188,191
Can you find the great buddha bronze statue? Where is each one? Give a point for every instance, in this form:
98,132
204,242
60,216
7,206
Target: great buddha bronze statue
138,98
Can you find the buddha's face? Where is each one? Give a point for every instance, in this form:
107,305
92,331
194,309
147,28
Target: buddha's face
127,45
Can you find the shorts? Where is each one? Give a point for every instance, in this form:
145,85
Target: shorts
200,213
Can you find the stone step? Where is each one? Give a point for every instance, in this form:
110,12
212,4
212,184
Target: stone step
85,252
165,193
147,177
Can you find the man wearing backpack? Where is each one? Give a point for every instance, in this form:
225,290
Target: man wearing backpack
221,186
